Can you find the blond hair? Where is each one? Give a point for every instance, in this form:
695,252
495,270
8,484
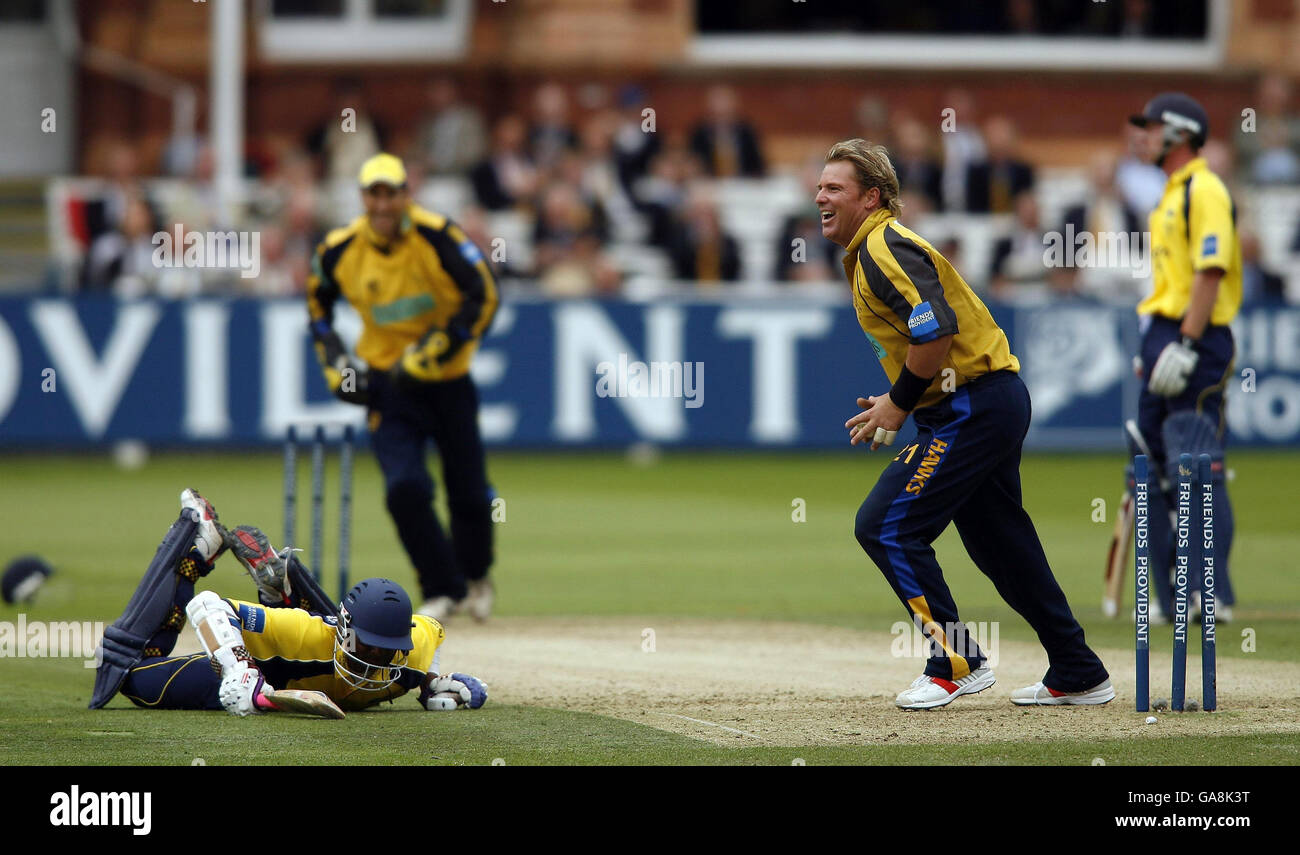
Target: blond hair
873,169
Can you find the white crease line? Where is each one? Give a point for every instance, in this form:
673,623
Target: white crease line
711,724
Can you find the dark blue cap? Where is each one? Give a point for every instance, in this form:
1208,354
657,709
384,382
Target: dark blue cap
22,577
1178,110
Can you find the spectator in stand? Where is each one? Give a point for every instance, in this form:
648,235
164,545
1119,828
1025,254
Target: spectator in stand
107,211
636,139
344,140
1104,209
120,261
920,176
872,117
963,146
725,143
663,192
814,259
452,136
567,243
1106,215
473,221
507,177
701,251
1140,182
596,169
993,185
1137,22
1268,150
1018,258
1258,283
551,133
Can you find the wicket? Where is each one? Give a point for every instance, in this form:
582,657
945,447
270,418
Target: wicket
318,452
1193,547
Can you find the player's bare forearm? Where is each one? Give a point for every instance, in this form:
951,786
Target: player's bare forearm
925,360
1205,290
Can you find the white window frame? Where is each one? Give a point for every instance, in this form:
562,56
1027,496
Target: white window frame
966,52
360,36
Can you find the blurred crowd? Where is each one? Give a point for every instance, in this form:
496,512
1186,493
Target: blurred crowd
582,188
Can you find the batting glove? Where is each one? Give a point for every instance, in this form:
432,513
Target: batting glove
469,692
240,686
1173,368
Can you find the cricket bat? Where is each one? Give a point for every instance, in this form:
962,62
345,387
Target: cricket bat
1117,558
302,701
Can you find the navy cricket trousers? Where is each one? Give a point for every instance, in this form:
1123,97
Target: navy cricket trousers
403,420
1204,394
964,467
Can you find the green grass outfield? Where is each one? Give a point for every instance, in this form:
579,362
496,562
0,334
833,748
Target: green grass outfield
699,535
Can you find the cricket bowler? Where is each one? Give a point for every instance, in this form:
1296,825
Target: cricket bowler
323,658
1187,348
426,298
952,369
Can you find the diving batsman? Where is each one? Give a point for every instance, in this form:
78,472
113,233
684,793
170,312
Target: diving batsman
292,651
952,369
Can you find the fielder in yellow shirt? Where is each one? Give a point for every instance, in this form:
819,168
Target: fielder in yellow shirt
426,298
1187,349
952,369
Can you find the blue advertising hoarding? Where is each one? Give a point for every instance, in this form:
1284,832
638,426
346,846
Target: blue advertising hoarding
742,372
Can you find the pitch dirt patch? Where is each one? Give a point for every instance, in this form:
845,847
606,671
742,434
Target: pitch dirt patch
788,684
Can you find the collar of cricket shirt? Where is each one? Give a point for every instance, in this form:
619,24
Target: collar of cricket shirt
873,219
1196,164
382,243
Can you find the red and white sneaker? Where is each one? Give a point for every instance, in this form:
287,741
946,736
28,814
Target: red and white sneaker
929,692
210,538
269,569
1040,695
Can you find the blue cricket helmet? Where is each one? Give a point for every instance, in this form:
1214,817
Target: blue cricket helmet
379,611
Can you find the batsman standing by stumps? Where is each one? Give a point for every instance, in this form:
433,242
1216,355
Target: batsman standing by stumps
426,298
953,370
1187,348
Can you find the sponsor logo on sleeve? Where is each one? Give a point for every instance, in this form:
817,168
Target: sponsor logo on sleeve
922,323
470,252
1209,246
253,618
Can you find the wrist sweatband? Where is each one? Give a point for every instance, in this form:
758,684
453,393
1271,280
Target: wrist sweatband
908,389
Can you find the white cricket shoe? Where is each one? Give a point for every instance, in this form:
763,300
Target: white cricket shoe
439,608
1222,611
1040,695
209,539
478,602
929,692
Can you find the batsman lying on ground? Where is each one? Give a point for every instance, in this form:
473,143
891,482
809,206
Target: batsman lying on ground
324,658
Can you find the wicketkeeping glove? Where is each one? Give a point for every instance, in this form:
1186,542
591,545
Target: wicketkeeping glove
1173,368
469,692
346,380
423,361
